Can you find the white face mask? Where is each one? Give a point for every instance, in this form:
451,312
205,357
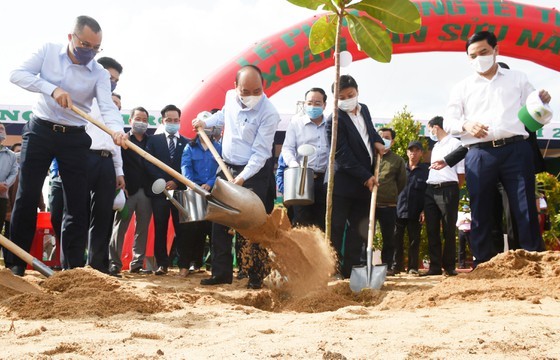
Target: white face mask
348,104
387,143
250,101
482,64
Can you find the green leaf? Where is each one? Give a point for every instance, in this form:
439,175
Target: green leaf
313,4
322,35
400,16
370,37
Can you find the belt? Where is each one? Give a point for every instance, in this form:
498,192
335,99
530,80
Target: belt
444,184
59,128
498,142
235,167
102,153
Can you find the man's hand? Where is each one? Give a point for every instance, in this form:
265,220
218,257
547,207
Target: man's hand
170,185
120,182
3,187
197,123
380,148
206,187
545,96
422,217
371,183
120,138
62,98
239,181
438,165
476,129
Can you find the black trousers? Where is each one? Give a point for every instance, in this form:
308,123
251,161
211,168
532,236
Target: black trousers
101,184
314,214
387,217
222,258
195,238
355,213
440,209
40,145
56,206
162,209
413,227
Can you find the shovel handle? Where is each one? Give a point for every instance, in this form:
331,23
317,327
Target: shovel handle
25,256
371,225
149,157
214,152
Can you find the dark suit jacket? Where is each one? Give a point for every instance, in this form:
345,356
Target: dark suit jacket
158,147
353,164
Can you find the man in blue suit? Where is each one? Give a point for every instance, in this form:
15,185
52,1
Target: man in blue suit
167,147
357,143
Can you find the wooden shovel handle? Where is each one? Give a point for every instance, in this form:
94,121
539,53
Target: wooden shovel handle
143,153
371,225
214,152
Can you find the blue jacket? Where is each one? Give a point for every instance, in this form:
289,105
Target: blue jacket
411,200
198,165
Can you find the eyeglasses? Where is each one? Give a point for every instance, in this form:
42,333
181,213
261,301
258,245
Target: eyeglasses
85,44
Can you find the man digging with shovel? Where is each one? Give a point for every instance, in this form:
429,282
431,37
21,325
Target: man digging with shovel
63,76
250,121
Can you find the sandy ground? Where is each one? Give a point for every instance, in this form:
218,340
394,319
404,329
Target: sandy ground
508,308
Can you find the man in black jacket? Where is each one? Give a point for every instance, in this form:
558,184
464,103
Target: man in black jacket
409,207
167,147
356,146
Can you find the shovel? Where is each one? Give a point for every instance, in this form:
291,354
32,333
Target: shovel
369,276
203,116
25,256
228,204
158,187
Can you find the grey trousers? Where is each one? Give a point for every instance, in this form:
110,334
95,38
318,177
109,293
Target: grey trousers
140,205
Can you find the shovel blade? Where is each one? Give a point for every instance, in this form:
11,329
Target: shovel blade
359,277
235,206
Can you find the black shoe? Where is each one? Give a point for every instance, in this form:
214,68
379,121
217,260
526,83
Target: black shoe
114,271
135,270
254,285
162,270
241,275
214,281
431,273
145,272
390,272
450,272
18,270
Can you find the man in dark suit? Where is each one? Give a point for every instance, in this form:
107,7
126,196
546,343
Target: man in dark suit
167,147
357,143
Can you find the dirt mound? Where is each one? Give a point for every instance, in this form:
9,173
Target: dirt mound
11,285
78,293
515,275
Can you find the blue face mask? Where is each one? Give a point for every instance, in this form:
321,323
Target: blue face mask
113,85
172,128
387,143
313,112
84,55
434,137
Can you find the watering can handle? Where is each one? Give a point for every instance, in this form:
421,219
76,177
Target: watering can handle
214,152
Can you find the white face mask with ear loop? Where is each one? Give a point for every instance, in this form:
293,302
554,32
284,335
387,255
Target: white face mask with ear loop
482,64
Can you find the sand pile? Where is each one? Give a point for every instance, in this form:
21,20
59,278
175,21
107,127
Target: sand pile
78,293
515,275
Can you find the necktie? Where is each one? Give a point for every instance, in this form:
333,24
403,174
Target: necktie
171,146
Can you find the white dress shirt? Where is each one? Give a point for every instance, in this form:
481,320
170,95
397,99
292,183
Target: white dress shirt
248,133
83,82
302,130
100,140
440,150
360,123
493,102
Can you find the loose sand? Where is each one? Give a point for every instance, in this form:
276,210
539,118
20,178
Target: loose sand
508,308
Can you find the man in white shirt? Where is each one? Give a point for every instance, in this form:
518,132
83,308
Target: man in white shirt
62,75
441,202
483,110
309,128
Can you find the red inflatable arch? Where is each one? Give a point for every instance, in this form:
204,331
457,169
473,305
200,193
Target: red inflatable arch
524,32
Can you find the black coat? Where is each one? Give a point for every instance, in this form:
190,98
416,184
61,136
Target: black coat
353,164
158,147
